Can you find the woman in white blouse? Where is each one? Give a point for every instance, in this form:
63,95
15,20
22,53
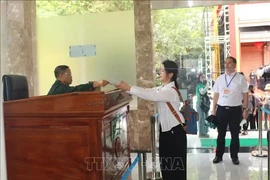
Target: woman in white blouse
173,140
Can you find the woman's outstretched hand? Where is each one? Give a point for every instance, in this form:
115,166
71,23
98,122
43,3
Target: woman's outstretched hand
123,86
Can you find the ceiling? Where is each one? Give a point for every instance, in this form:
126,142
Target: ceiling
169,4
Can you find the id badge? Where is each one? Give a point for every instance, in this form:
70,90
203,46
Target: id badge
226,93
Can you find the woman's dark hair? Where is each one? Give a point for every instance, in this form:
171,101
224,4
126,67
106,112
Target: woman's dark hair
171,67
199,77
59,70
250,87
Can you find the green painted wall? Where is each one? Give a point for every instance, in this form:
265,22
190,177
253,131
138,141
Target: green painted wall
112,33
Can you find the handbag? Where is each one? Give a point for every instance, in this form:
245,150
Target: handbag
191,117
212,121
205,103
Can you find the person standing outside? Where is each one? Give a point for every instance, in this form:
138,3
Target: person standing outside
201,90
266,104
252,109
230,104
172,138
253,78
259,74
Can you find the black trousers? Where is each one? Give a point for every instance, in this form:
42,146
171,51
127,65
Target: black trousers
251,121
231,116
173,153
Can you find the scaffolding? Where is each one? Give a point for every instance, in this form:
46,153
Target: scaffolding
217,40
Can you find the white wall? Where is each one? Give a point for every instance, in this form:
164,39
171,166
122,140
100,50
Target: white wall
112,33
253,12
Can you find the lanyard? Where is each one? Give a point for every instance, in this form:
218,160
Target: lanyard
230,80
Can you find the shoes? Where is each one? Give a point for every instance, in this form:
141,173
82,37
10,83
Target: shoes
244,133
235,161
217,159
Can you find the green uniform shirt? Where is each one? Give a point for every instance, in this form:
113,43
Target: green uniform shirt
59,88
198,94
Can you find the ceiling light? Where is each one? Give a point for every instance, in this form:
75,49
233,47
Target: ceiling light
190,3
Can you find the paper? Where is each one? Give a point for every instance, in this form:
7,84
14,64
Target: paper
114,81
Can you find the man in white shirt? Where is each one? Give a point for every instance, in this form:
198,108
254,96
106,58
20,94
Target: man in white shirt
230,92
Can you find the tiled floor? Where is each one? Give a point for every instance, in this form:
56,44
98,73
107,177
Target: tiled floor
193,141
201,153
200,167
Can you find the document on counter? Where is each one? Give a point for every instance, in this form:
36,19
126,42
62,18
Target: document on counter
114,81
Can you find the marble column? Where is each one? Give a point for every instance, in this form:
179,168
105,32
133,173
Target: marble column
18,40
140,137
17,52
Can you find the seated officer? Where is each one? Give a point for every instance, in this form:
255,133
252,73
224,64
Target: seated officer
64,79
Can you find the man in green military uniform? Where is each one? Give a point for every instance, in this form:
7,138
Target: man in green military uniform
64,79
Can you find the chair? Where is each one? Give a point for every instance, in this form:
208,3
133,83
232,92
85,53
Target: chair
15,87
